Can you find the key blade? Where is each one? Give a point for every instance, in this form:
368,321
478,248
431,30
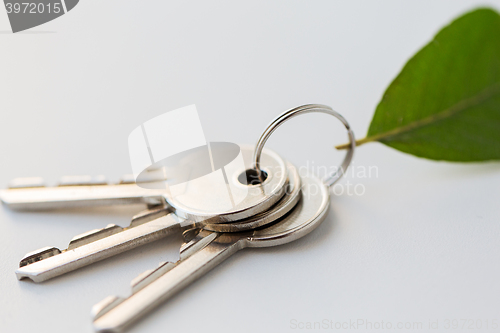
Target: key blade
154,287
93,235
41,198
38,255
94,246
198,242
82,180
105,305
81,191
26,182
202,239
146,278
150,214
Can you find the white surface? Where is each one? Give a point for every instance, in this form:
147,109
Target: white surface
421,244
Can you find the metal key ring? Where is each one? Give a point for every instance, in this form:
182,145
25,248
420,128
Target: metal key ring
308,108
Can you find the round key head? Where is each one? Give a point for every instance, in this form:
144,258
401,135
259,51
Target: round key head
283,206
309,212
231,192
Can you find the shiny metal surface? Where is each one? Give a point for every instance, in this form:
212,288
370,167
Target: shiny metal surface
93,246
145,227
286,203
205,251
35,197
198,206
308,108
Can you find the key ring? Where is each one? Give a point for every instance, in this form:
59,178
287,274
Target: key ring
308,108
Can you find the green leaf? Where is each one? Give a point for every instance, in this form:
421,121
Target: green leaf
445,103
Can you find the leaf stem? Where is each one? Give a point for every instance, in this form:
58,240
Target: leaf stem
456,108
357,142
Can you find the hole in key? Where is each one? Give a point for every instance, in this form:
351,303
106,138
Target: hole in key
252,177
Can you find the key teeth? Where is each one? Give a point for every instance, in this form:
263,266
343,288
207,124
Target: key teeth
83,180
139,278
93,235
105,306
145,278
149,215
38,255
26,182
127,179
150,176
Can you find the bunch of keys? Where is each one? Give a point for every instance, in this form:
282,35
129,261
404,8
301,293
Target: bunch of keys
281,208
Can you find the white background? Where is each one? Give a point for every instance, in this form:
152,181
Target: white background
421,244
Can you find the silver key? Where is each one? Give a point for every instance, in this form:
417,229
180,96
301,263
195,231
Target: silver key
289,200
83,191
203,253
96,245
78,191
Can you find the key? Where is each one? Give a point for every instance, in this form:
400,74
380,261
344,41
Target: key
96,245
148,226
79,191
289,200
194,204
83,191
205,251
